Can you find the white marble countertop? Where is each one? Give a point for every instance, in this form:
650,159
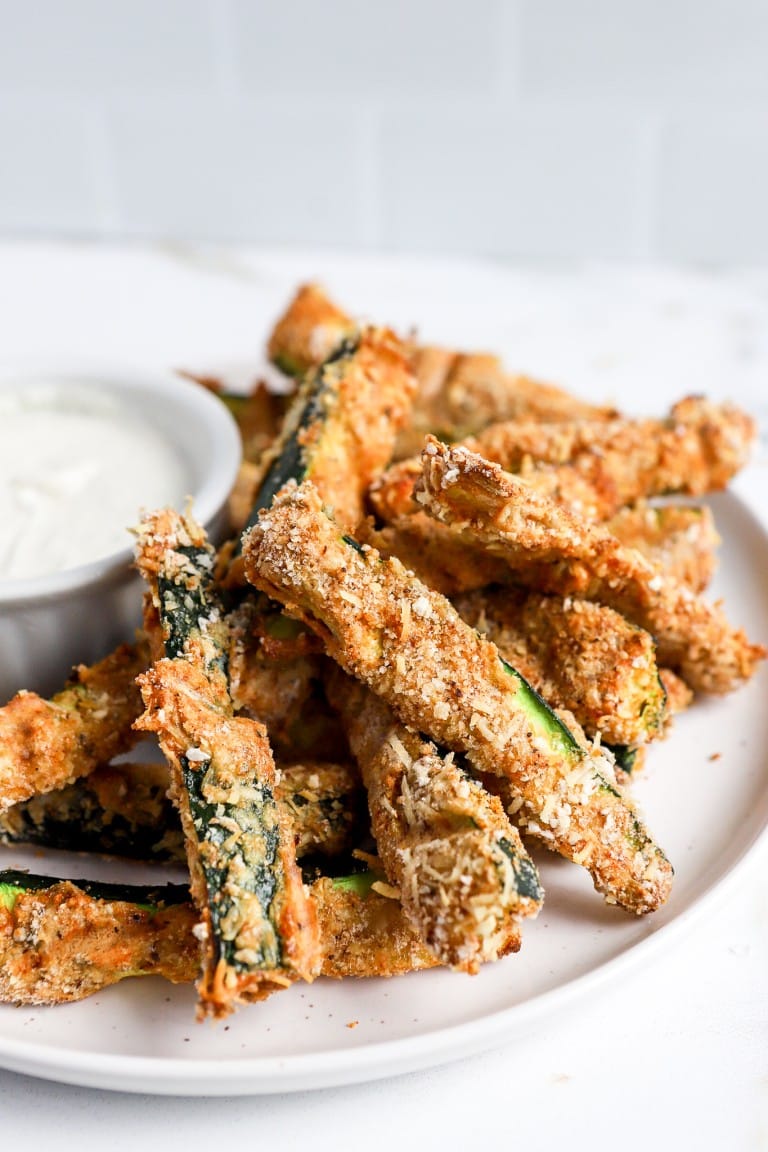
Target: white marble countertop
671,1054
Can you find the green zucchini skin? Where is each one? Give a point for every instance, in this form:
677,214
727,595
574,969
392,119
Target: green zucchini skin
143,824
118,810
14,881
260,931
625,755
292,458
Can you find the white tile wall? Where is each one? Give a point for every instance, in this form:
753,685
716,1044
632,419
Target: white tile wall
227,168
713,194
94,46
662,52
531,181
532,128
358,48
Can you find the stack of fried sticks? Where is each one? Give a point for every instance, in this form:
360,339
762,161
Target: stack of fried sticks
448,593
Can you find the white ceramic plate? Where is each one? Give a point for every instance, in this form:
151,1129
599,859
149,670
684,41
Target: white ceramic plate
631,339
705,794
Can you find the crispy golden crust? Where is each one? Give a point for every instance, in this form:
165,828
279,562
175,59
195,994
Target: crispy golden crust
697,449
272,945
343,422
553,550
577,655
440,677
122,809
679,538
60,945
308,331
437,555
595,468
259,929
118,809
368,935
463,875
273,689
325,802
392,494
45,744
460,393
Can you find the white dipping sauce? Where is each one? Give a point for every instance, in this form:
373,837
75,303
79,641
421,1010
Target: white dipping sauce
76,469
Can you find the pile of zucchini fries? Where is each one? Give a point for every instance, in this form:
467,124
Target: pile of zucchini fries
447,624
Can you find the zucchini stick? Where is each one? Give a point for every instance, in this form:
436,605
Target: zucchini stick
123,810
46,744
308,332
555,551
458,393
437,555
679,538
446,845
577,655
595,468
698,448
342,425
62,940
410,646
259,930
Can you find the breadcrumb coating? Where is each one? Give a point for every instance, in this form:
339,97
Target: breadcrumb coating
577,655
553,550
60,944
680,538
446,845
46,744
259,929
409,645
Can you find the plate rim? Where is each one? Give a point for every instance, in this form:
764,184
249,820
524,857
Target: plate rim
270,1075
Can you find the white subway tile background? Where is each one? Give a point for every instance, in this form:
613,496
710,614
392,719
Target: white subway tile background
538,129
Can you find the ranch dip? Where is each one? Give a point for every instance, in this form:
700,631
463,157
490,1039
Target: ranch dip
76,469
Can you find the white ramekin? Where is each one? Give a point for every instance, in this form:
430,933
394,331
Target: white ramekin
50,623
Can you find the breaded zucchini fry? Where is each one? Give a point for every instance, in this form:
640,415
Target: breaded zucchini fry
62,940
118,810
45,744
463,874
458,393
437,555
326,804
554,551
363,933
464,392
342,425
259,930
595,468
123,810
698,448
679,538
577,655
410,646
269,682
308,332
